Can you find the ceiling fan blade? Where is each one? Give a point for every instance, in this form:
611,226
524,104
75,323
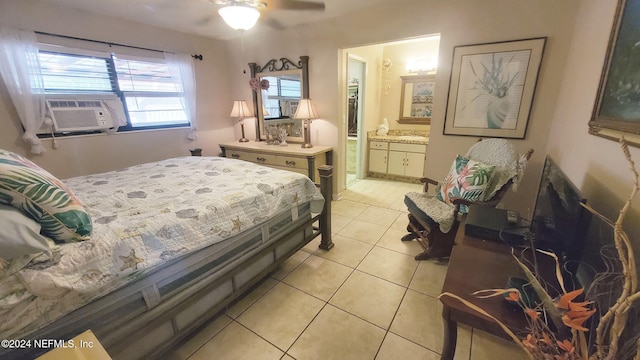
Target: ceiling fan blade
203,21
271,22
294,5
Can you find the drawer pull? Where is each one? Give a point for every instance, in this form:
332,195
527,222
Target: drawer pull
290,163
261,159
235,156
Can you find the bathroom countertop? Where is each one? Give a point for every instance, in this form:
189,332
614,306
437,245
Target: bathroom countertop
401,136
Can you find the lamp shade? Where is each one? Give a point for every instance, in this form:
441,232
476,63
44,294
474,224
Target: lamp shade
306,110
239,17
240,109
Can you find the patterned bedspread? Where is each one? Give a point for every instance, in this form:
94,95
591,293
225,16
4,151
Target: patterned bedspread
143,216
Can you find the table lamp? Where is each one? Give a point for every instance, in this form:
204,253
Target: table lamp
241,111
307,112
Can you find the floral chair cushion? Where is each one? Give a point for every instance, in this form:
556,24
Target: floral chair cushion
27,187
467,179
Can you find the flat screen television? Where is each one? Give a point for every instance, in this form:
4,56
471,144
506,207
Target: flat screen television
560,223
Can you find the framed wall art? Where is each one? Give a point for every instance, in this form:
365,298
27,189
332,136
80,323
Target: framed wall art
617,108
492,87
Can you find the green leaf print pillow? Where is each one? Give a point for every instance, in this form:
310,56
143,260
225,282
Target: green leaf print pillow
467,179
27,187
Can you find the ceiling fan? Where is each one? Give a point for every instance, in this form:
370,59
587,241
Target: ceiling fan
243,14
273,4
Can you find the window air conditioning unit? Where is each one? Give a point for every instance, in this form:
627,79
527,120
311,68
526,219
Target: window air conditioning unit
80,112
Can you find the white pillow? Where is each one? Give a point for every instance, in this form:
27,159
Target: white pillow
20,234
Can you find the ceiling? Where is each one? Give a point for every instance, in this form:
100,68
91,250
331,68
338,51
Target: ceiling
201,17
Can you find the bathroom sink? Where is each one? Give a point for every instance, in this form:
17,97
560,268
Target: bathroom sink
412,137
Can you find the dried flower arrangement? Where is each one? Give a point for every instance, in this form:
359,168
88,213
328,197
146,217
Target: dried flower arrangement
617,335
257,84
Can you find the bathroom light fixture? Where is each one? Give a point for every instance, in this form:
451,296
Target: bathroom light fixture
422,65
241,111
239,17
308,112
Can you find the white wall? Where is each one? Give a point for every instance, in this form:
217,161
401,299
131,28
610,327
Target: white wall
90,154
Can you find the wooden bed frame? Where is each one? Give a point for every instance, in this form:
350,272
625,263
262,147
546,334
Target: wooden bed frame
151,315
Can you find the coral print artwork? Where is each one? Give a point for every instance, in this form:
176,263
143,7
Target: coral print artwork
492,88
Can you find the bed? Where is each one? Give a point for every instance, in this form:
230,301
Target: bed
172,243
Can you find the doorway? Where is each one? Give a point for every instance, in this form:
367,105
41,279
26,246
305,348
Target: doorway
370,84
356,75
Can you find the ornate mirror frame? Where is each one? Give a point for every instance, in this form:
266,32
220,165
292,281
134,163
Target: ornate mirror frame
275,67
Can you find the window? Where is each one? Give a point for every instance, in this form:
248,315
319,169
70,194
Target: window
152,98
67,73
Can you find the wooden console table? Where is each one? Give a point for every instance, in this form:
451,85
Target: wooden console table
477,264
290,157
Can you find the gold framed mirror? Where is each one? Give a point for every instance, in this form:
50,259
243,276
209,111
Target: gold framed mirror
416,99
278,87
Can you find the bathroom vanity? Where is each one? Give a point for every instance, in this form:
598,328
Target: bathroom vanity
399,154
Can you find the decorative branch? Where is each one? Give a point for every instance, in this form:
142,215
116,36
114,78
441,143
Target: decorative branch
616,317
513,336
547,301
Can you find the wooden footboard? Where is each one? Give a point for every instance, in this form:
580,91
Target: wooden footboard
326,188
148,318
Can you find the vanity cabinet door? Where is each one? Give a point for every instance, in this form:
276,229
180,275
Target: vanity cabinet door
406,164
378,160
397,161
414,163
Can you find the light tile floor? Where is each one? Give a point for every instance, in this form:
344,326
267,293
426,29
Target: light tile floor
367,298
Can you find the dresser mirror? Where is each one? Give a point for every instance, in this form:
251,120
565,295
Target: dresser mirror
278,87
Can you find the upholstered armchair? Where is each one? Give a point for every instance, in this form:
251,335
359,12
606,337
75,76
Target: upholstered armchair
482,176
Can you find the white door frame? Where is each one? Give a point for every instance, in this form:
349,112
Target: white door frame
361,140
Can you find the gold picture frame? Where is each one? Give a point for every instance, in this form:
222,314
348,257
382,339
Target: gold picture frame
617,111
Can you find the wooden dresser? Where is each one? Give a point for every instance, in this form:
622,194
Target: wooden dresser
291,157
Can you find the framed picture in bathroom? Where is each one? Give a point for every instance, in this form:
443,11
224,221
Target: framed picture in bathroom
416,99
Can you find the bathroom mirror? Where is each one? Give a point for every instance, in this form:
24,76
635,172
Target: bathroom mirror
416,99
277,87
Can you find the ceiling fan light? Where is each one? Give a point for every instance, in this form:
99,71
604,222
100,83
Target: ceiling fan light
239,17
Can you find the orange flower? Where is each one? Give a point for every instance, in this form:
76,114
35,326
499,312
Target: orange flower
546,339
513,296
580,314
566,346
581,306
575,323
565,299
534,315
530,342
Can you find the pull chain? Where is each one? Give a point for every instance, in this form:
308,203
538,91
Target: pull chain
244,71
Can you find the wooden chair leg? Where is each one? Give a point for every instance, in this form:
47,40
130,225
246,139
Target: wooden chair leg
436,244
413,227
409,237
